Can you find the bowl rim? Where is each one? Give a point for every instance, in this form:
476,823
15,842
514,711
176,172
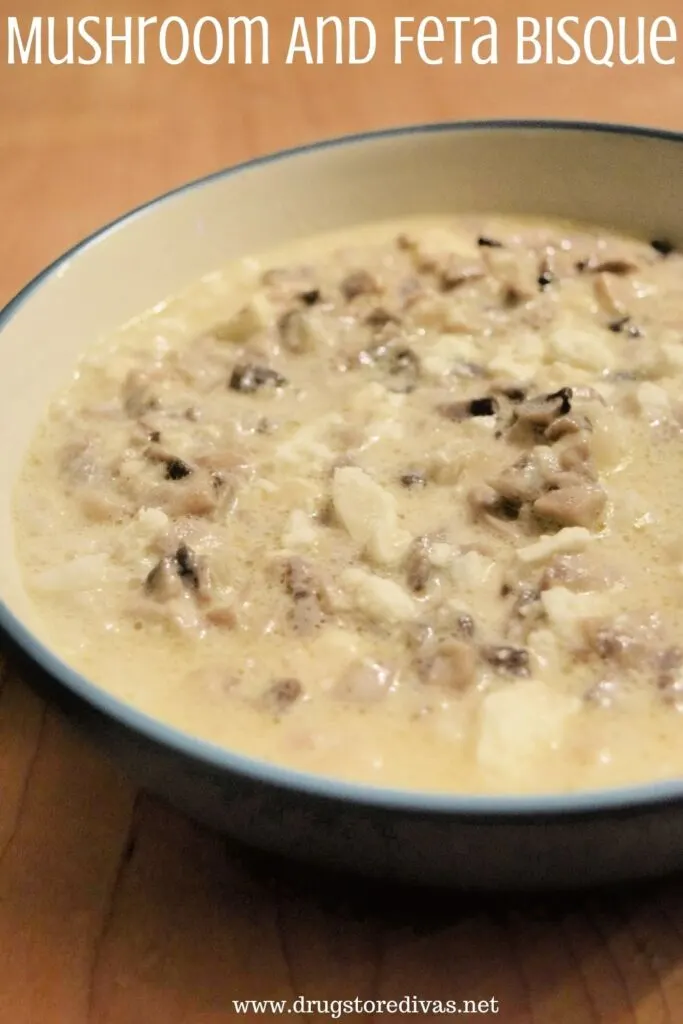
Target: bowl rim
620,801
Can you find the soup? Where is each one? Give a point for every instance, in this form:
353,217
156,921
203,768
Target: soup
399,505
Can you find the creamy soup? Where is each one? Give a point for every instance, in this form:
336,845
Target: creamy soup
399,505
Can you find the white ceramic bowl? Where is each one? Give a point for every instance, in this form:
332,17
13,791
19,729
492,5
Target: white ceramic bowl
630,179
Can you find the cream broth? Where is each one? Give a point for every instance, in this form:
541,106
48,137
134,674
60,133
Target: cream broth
398,505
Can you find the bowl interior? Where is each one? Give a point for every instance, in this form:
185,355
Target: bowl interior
630,181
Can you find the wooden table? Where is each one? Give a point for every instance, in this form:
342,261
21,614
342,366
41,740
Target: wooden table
114,909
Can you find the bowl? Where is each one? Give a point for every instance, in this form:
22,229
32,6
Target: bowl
627,178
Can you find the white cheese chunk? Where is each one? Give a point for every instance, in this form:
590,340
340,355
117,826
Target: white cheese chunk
87,572
520,723
472,569
379,598
673,356
439,359
299,531
571,538
653,402
519,360
439,313
440,555
152,521
307,445
544,651
483,424
302,449
566,610
265,485
581,347
253,317
435,242
370,515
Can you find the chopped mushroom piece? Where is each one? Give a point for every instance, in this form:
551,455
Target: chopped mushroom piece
624,325
484,499
281,695
302,331
486,406
418,565
576,456
197,495
452,666
175,573
663,246
670,676
380,317
163,581
611,297
413,478
248,378
573,423
364,682
253,317
545,274
528,477
512,661
542,411
465,625
360,282
139,393
458,271
625,640
582,505
307,592
581,572
615,265
516,270
669,665
176,469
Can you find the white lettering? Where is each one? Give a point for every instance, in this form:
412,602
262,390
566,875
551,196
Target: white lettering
565,37
90,40
166,24
656,39
534,27
354,25
423,38
299,42
601,41
217,42
143,25
126,38
457,24
431,31
248,25
34,42
624,38
490,37
68,57
338,39
400,39
606,59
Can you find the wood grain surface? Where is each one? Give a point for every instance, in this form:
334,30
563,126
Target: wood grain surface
113,908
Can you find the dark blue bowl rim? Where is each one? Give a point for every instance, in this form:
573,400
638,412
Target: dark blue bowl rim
217,759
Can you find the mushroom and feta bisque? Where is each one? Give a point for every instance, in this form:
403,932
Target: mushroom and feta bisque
399,505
